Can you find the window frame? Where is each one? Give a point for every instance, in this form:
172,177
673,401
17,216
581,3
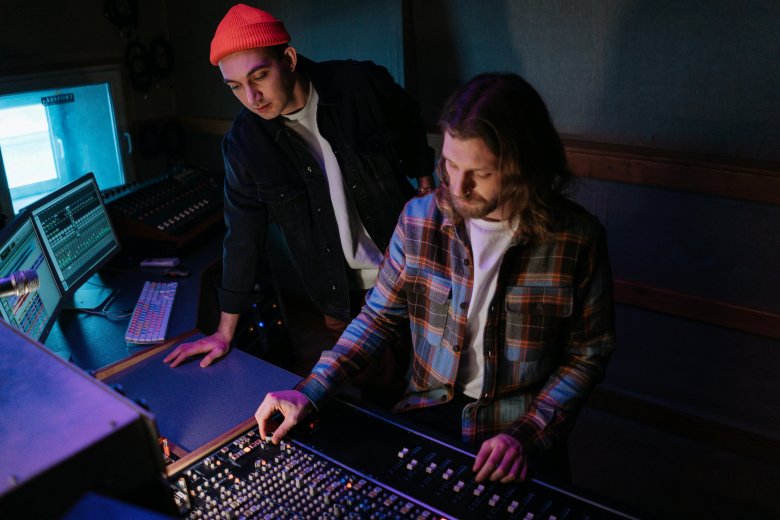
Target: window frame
110,73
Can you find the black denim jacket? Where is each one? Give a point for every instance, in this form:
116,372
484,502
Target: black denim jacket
379,140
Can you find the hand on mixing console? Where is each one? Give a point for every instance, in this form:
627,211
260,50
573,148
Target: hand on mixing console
292,404
501,458
213,346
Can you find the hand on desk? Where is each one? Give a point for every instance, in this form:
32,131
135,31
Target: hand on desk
215,346
290,403
501,457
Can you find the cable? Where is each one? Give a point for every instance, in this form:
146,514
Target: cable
138,66
173,139
126,314
149,141
100,310
161,57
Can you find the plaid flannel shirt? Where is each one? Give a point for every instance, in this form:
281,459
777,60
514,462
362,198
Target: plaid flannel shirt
548,335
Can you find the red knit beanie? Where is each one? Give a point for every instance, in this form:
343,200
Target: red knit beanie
244,28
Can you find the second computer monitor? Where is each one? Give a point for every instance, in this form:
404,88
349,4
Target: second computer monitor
76,231
20,250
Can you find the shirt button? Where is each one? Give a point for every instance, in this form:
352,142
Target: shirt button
281,194
486,396
466,262
539,306
319,210
444,398
333,287
492,308
327,250
456,348
464,305
308,168
354,187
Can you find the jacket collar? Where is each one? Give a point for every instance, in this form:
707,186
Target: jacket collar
325,90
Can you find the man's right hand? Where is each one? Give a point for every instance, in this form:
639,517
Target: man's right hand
213,346
292,404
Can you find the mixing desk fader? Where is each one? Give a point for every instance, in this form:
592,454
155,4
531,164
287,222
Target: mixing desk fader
347,463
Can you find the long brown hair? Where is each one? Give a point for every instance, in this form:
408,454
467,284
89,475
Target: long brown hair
503,110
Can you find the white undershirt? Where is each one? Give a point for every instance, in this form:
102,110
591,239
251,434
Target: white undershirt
362,255
489,241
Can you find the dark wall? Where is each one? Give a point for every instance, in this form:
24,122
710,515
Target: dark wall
696,76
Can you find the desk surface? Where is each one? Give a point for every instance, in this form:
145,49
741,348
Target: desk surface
93,342
194,405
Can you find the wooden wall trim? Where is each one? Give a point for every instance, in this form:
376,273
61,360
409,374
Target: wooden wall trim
707,178
705,310
204,125
711,175
735,440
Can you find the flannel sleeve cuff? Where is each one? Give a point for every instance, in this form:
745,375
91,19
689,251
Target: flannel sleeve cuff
314,390
530,434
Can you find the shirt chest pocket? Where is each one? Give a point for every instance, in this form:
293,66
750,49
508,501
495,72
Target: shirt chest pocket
534,318
288,204
280,192
428,299
378,150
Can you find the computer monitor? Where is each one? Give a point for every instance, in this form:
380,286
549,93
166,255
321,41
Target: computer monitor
76,231
20,249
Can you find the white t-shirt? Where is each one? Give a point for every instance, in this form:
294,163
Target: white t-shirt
489,241
362,255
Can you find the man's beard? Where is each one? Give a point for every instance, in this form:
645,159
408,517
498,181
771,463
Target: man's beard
478,207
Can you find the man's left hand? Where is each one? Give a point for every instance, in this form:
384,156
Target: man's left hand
501,457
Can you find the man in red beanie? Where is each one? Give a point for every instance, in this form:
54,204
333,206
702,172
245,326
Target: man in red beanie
325,150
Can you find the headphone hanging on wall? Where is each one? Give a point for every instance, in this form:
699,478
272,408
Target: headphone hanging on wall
161,57
122,13
139,67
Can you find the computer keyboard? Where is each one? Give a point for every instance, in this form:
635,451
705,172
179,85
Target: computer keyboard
152,313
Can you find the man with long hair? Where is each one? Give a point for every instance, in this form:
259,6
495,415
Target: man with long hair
507,285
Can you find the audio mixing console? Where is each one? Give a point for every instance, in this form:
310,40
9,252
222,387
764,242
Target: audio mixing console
174,207
348,463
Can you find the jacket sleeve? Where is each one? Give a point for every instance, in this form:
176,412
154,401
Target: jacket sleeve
246,219
403,118
587,344
379,323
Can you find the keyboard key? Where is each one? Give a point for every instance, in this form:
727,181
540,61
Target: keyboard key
152,313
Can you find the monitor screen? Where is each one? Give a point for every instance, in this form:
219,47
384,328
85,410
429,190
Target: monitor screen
20,250
76,231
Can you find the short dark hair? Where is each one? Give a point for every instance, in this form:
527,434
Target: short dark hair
503,110
278,50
